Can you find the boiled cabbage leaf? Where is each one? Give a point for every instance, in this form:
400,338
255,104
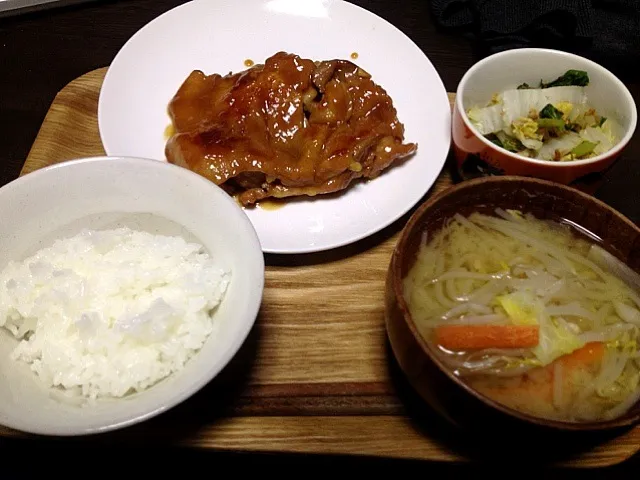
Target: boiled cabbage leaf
605,136
519,103
556,340
488,119
599,137
526,130
563,145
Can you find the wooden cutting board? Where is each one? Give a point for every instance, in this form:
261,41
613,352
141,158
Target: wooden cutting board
315,375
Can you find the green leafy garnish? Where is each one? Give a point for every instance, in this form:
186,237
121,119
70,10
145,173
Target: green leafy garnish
577,78
549,111
584,148
512,144
602,120
524,86
492,138
551,122
503,140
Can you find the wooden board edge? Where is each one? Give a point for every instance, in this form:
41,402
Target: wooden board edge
94,77
392,437
389,437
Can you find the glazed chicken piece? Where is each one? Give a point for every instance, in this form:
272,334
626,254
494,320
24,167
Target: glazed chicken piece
286,128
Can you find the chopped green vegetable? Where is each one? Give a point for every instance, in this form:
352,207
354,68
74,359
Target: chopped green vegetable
602,136
510,143
492,138
524,86
549,111
578,78
584,148
551,123
557,147
602,120
503,140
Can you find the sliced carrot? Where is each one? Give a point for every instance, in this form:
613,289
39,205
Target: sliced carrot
529,392
533,391
475,337
587,356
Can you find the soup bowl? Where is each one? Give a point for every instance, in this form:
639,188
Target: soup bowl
424,368
476,155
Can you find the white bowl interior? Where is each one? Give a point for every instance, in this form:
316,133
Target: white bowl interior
506,70
144,194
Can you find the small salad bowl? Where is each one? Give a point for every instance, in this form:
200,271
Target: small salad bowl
477,154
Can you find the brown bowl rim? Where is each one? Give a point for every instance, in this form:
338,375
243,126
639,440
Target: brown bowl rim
623,421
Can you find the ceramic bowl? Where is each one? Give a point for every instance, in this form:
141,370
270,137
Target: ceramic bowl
475,155
101,193
444,391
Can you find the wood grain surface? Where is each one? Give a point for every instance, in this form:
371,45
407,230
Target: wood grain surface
315,374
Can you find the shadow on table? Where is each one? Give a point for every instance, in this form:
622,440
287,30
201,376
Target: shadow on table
166,462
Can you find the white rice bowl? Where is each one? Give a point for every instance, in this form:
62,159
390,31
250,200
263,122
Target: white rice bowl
109,193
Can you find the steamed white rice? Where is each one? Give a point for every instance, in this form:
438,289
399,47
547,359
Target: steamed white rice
108,313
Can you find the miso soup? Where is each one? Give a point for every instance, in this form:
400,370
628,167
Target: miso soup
531,313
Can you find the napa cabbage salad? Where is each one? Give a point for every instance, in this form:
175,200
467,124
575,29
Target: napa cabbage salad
552,121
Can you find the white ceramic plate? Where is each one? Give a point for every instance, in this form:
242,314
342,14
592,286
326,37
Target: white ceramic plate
217,36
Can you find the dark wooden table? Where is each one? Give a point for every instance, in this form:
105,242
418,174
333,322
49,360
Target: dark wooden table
40,52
